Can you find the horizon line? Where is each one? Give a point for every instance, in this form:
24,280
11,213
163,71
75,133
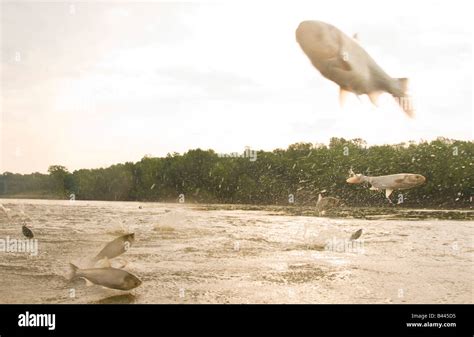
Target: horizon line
229,154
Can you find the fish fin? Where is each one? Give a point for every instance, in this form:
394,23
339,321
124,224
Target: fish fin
106,262
123,264
374,97
403,99
403,83
340,62
88,283
343,96
72,271
388,192
103,263
345,63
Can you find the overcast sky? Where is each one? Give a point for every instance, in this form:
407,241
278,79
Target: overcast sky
95,83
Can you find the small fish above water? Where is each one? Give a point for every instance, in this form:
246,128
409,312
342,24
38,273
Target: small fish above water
326,203
4,209
27,232
116,247
356,235
107,277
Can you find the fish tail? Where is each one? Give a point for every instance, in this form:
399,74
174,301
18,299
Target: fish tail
72,271
402,97
102,263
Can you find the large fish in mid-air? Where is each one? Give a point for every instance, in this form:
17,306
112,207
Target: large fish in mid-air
389,183
342,60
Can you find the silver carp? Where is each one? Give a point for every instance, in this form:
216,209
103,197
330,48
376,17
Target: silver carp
107,277
389,183
356,235
116,247
326,203
342,60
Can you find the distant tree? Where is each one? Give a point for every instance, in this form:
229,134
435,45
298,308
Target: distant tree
59,176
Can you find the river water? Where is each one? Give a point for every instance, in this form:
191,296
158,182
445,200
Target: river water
234,254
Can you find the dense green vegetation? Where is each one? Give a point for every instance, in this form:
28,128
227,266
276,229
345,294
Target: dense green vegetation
298,173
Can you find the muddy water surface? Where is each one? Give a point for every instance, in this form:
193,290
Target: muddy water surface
241,254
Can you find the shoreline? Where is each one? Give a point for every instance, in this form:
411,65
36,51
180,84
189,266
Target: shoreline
389,212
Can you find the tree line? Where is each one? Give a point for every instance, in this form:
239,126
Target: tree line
284,176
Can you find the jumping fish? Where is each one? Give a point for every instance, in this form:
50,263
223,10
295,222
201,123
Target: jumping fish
389,183
116,247
342,60
326,203
107,277
356,235
5,210
27,232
